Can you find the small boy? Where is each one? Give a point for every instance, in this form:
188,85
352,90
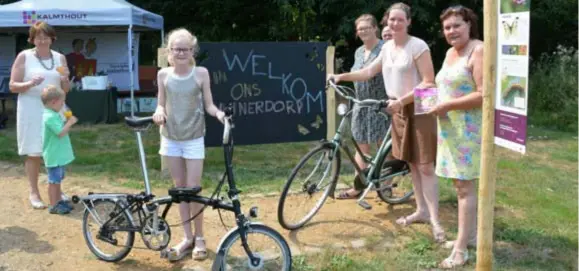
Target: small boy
57,150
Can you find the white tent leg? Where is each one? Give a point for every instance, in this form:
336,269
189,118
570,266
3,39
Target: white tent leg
130,37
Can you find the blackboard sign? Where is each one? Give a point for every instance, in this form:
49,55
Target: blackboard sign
277,90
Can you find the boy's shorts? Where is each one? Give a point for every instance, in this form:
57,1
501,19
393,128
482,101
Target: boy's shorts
55,174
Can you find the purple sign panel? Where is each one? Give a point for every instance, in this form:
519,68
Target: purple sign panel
511,130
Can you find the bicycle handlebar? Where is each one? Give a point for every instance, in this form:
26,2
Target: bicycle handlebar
365,102
227,123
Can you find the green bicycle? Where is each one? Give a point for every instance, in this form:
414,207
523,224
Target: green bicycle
389,178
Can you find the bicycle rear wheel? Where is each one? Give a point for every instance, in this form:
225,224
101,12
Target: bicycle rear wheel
395,182
266,244
107,244
320,180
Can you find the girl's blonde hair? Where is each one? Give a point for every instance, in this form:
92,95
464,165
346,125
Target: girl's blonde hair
181,33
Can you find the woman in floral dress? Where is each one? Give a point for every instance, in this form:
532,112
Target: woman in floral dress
459,114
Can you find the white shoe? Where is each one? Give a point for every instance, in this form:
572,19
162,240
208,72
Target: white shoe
37,204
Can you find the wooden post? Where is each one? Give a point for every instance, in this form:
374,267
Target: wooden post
486,193
330,96
162,62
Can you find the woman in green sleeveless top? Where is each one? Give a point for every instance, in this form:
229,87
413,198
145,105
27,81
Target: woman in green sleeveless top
459,84
184,96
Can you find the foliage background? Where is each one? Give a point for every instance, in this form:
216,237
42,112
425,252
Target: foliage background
553,40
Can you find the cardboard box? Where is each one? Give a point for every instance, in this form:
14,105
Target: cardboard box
147,105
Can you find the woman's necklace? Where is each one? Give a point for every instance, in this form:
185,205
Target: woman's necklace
42,63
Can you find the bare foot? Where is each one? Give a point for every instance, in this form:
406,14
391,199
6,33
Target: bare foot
470,244
438,233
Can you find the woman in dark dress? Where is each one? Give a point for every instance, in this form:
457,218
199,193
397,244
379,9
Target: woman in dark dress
368,127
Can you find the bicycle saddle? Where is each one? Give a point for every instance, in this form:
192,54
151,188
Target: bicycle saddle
138,122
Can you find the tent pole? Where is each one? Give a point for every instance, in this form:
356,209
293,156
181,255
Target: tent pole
130,37
162,37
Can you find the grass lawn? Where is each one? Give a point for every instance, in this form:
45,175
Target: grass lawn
535,222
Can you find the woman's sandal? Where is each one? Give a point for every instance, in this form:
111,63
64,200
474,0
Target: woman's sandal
450,263
173,254
346,195
199,254
37,204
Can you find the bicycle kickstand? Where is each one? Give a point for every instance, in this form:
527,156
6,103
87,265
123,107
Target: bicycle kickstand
361,201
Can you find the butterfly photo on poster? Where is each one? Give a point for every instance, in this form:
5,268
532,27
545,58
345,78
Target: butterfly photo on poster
514,29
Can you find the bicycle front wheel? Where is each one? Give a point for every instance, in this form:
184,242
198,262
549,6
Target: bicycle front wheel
308,186
269,248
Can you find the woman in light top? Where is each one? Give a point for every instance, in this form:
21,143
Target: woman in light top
184,97
406,64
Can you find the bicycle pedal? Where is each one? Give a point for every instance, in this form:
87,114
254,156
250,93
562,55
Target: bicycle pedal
365,205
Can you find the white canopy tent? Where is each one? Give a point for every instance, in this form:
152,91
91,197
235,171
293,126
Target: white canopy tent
101,14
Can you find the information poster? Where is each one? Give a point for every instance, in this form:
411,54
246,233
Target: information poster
512,90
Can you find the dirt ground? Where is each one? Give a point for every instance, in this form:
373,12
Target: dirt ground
36,240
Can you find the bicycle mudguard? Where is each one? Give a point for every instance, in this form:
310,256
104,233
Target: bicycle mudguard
220,252
331,145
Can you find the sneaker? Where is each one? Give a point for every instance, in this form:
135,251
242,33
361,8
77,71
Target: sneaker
66,204
59,208
67,201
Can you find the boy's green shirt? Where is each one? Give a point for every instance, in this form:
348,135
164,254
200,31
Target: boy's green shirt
56,151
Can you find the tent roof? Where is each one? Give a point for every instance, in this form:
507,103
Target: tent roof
78,13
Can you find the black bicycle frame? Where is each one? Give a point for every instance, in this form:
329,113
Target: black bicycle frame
136,202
